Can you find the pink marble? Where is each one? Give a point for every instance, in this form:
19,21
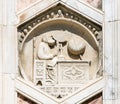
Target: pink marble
95,100
21,4
95,3
23,100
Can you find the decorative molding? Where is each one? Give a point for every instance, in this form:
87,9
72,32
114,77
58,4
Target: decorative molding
76,5
58,12
51,76
88,91
27,89
30,91
22,4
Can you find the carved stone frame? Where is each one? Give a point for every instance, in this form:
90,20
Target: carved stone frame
26,28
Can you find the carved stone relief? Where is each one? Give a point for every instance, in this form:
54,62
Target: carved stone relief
73,72
60,51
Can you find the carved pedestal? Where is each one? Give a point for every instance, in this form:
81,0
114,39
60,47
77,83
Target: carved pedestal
73,72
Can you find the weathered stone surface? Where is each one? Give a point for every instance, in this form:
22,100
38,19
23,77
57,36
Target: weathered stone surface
46,74
59,51
95,3
75,46
22,4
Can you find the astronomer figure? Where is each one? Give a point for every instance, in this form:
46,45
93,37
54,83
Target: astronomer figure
45,54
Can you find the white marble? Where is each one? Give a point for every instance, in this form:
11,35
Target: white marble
1,66
94,3
28,89
111,88
118,84
63,51
1,51
111,101
111,51
118,13
116,9
118,57
10,49
108,48
22,4
108,8
8,13
1,8
8,52
33,10
8,89
84,94
86,10
111,8
8,46
1,89
118,23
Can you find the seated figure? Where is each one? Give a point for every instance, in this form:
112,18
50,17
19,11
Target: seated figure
44,49
44,54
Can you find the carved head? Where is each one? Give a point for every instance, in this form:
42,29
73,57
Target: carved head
49,40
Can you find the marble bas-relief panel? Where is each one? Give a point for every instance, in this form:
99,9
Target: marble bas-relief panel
60,52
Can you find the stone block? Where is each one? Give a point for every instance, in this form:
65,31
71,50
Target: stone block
73,72
86,10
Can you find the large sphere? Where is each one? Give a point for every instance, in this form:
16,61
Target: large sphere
76,46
